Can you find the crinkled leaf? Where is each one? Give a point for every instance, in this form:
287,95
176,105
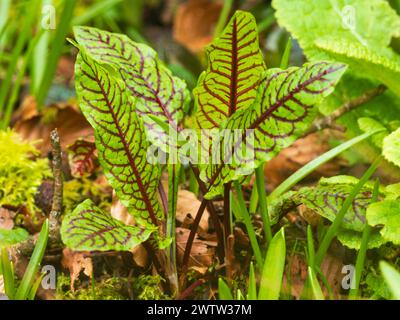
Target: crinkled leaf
82,158
391,147
160,93
364,60
347,30
387,214
13,236
284,108
88,228
235,65
120,138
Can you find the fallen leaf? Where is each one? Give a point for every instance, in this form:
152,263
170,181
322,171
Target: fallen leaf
6,219
76,262
67,118
186,210
201,256
194,24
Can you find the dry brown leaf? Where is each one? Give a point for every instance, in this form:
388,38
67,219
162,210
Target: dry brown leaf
186,210
201,255
76,262
67,118
194,23
6,219
119,212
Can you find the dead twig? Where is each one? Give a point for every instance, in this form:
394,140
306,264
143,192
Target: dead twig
328,122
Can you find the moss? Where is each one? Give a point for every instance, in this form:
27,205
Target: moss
108,289
144,287
78,190
147,287
21,172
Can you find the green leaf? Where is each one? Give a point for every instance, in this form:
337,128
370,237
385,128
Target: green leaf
252,287
392,278
284,108
7,272
386,213
370,124
326,199
352,239
11,237
224,292
315,287
235,65
82,158
145,76
272,274
89,228
391,147
350,32
120,138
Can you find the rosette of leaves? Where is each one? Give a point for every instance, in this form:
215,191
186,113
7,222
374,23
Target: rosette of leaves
270,108
327,198
359,34
124,91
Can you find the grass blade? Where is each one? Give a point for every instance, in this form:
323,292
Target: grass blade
224,293
315,287
363,248
311,166
334,227
8,274
252,290
249,226
263,203
272,274
33,266
392,278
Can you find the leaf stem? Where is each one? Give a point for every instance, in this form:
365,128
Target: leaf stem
262,198
363,248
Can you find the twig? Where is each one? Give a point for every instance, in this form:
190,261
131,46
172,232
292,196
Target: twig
188,291
328,122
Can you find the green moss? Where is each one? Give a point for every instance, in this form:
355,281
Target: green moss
108,289
21,172
78,190
147,287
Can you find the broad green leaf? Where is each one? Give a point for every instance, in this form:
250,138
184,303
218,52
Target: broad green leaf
235,65
274,265
82,158
352,239
391,147
348,31
392,278
13,236
160,93
120,138
89,228
364,60
326,199
284,108
387,214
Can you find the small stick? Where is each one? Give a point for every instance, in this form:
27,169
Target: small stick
56,206
328,122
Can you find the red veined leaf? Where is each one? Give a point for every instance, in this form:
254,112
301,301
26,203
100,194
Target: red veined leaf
82,158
